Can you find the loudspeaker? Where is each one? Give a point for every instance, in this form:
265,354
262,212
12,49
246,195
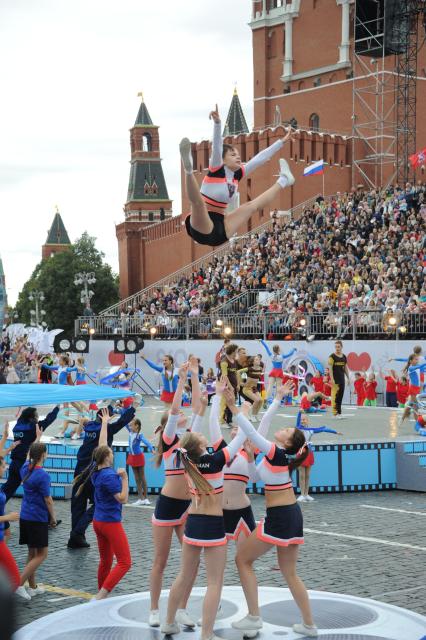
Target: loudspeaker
378,17
62,343
81,344
128,345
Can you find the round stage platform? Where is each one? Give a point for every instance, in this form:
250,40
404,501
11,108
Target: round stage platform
338,617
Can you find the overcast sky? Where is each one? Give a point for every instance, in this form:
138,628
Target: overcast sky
70,72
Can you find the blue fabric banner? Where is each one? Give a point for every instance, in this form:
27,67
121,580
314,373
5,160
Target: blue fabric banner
32,395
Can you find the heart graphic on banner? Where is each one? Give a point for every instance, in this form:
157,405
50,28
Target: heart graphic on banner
358,362
115,359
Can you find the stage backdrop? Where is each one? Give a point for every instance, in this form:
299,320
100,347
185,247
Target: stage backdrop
367,355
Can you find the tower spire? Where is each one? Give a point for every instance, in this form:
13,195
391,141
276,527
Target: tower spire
235,121
143,119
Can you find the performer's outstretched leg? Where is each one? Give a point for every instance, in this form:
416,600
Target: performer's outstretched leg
200,219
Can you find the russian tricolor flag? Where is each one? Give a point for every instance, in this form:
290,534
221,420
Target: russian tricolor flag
315,169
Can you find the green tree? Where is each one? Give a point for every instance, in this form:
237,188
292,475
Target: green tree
55,277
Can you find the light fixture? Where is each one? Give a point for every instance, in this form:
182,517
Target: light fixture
153,331
302,322
219,322
128,344
227,331
81,345
402,329
392,321
64,344
92,331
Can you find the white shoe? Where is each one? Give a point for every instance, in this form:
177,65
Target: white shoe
169,629
285,171
186,155
35,592
339,417
309,498
137,503
146,501
301,498
249,623
182,617
154,618
310,632
75,436
60,436
23,593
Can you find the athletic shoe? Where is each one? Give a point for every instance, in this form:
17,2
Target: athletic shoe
38,590
301,498
170,629
249,623
186,155
309,632
77,541
23,593
285,171
137,503
339,417
183,618
309,498
60,436
75,436
154,618
146,501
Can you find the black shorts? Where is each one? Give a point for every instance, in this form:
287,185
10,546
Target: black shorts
243,395
204,531
216,237
33,534
282,526
238,521
170,512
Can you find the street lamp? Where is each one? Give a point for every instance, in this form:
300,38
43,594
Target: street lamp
85,279
38,313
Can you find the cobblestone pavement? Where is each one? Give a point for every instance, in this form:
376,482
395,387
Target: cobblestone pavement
368,544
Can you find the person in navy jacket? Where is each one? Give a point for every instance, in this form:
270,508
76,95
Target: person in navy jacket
24,432
81,514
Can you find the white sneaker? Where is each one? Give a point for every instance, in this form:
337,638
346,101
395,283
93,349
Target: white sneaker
183,618
75,436
60,436
309,498
310,632
301,498
285,171
249,623
146,501
23,593
169,629
35,592
137,503
186,155
154,618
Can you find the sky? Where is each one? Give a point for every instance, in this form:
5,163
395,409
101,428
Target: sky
70,73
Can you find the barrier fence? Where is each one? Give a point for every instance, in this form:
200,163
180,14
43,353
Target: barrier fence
362,325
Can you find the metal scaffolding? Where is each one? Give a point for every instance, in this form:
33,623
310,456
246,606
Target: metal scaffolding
373,114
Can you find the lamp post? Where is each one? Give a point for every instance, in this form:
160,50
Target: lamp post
38,313
85,279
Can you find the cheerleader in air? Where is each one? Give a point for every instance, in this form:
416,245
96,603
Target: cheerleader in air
209,223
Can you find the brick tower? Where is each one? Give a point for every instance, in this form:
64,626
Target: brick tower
57,238
147,197
147,202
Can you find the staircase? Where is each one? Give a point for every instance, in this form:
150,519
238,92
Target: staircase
187,271
411,465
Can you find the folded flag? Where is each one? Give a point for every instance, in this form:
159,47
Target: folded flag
418,158
314,169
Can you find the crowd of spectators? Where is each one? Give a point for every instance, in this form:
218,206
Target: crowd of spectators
18,361
362,252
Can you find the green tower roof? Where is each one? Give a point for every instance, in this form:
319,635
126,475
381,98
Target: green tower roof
235,122
57,233
143,118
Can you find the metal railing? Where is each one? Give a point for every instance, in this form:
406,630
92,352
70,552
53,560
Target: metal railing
187,271
274,326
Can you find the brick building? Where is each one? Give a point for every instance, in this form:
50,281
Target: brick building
305,68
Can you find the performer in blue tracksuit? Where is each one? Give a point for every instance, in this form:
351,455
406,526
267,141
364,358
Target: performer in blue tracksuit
277,361
136,459
24,431
81,514
169,379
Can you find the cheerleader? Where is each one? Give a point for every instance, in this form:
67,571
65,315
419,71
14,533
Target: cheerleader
283,525
209,222
277,361
80,377
249,391
210,385
305,467
169,379
204,528
171,508
7,561
37,514
63,371
136,460
413,369
308,401
111,491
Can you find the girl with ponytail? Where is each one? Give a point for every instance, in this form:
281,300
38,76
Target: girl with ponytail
283,525
37,513
171,508
7,561
204,527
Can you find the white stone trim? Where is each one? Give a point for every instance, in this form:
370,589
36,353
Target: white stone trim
317,71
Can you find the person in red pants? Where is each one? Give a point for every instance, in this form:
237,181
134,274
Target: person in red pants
111,492
359,386
7,561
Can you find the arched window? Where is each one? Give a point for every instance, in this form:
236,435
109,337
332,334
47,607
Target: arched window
272,45
332,78
293,123
314,122
146,142
301,85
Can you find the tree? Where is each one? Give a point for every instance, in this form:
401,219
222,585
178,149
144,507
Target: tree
55,277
